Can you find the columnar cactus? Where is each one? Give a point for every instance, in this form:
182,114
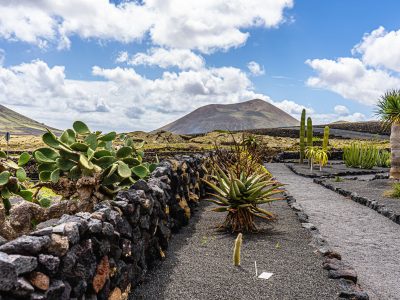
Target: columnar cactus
309,132
302,135
237,249
326,139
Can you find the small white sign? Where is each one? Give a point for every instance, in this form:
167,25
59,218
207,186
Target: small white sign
265,275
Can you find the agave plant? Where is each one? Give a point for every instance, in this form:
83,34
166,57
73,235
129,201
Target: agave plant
12,178
88,165
241,196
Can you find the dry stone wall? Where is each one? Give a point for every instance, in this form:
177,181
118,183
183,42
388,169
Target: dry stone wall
104,254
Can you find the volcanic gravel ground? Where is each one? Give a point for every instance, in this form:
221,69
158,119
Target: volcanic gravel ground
199,263
367,240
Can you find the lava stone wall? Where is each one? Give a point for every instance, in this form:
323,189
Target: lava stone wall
104,254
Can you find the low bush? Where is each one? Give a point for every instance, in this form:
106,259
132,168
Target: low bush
360,155
383,159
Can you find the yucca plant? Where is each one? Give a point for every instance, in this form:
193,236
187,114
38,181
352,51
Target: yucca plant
321,157
241,196
12,178
310,153
360,155
389,112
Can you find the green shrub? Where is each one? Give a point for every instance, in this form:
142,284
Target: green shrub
85,164
394,192
12,178
383,159
360,155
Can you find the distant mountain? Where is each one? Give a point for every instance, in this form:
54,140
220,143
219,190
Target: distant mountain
18,124
251,114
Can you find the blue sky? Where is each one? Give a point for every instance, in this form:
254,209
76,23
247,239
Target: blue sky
137,66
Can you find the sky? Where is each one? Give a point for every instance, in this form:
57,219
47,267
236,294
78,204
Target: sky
138,65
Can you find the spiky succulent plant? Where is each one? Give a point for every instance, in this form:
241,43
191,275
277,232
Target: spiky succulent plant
241,197
81,159
12,178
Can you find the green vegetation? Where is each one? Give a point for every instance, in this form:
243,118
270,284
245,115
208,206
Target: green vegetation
394,192
384,159
237,250
389,112
12,178
325,142
309,132
361,155
302,135
85,164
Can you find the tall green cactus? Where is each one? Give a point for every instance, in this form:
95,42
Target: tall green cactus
309,132
326,139
237,249
302,135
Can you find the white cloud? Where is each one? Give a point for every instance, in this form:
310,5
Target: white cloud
380,49
164,58
255,69
122,57
205,25
363,80
351,79
341,110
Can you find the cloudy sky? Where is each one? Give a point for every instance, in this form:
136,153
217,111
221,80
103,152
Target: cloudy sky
137,65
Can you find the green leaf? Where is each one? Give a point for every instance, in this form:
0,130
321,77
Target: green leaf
75,173
12,164
81,127
3,154
152,167
47,167
81,147
105,161
48,152
5,193
41,158
44,176
123,170
23,159
131,161
139,145
44,202
124,152
21,174
4,177
64,164
140,153
90,153
113,168
85,163
51,140
91,140
102,153
27,195
140,171
108,137
68,137
55,176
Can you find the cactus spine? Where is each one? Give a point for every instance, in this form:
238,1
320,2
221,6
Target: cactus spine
326,139
302,134
237,249
309,133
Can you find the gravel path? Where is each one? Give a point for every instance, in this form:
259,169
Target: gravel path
367,240
198,264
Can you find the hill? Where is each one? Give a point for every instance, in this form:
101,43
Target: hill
251,114
18,124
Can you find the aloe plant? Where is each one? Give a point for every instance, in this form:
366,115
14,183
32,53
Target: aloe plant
360,155
12,178
310,154
241,196
384,159
81,159
321,157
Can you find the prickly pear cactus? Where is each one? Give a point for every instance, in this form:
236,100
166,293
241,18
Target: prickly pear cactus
12,178
89,165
